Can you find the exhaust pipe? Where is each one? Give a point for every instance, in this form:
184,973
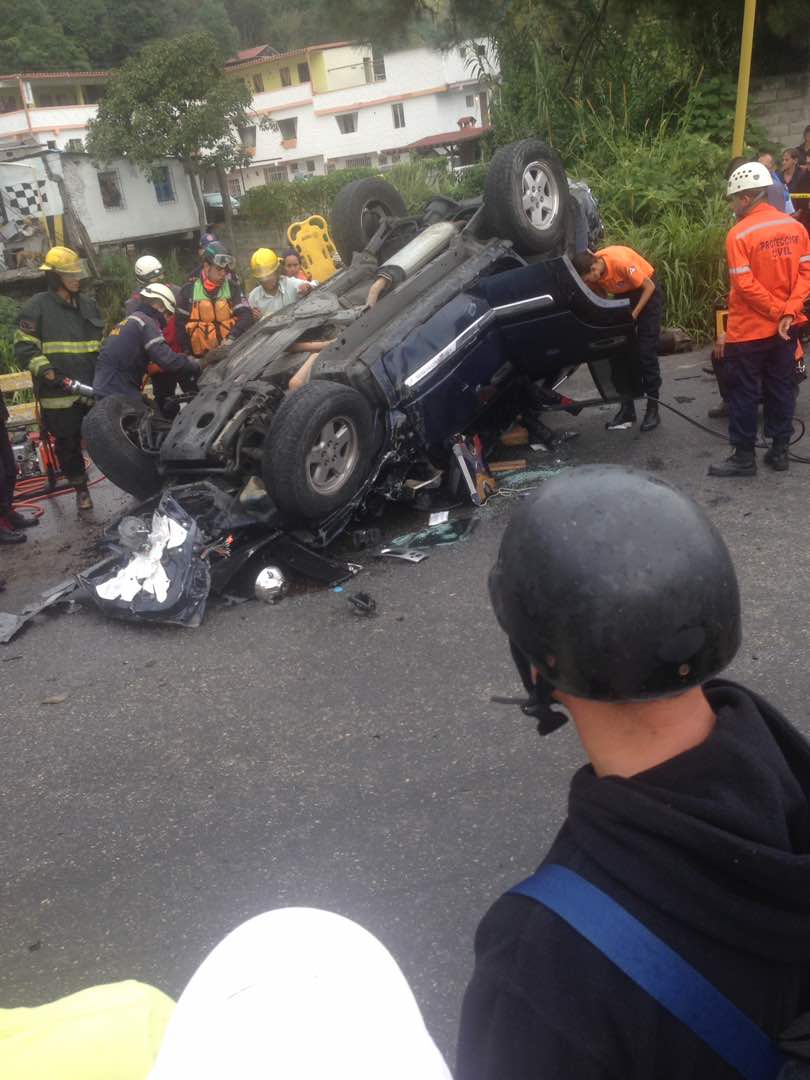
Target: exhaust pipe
419,251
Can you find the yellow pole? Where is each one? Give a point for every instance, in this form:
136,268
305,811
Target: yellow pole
743,77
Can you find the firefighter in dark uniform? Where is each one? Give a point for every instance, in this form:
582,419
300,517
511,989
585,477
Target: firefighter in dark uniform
58,337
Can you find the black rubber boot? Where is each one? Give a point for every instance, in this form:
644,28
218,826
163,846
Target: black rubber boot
624,418
652,417
741,463
777,456
719,412
21,521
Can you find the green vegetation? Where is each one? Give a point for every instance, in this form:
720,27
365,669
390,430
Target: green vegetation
9,309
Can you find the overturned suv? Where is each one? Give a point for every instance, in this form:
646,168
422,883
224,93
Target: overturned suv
482,303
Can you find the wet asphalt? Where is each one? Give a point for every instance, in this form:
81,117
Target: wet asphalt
304,754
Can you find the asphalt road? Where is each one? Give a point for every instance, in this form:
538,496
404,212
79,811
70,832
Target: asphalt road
302,754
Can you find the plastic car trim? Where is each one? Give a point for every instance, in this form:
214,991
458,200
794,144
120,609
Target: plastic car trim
519,306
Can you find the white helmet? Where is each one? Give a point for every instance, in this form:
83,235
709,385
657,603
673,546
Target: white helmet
163,293
147,269
753,176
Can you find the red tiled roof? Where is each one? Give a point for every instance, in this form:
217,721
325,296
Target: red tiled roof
55,75
248,54
449,138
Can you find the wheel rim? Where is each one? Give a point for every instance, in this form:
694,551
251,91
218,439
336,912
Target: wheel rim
540,195
332,459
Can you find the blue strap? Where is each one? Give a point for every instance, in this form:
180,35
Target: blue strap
657,969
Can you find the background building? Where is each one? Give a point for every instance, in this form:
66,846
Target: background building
345,105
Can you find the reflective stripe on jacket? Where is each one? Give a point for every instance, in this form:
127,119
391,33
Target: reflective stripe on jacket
51,332
769,270
132,345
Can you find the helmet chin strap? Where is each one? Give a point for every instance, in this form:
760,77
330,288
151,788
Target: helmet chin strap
540,703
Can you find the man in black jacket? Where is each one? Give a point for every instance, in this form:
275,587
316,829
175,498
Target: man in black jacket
693,813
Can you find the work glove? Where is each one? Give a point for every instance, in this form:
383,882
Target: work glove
49,376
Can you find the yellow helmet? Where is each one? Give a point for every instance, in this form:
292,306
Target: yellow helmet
263,263
63,260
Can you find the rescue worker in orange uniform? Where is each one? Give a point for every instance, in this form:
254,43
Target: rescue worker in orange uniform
769,272
624,273
212,308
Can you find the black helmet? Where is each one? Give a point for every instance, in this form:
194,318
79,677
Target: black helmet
616,586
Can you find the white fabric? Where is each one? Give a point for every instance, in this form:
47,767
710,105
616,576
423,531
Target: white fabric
144,571
298,994
287,293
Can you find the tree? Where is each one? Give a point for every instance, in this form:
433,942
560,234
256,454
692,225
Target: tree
32,40
172,100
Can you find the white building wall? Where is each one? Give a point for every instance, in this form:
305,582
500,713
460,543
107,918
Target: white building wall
431,86
141,215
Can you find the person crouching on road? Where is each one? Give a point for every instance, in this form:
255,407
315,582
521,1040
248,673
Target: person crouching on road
212,310
624,273
769,271
275,289
136,343
58,337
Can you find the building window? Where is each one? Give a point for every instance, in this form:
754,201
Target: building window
378,65
247,136
92,94
362,162
74,146
235,186
288,127
286,78
347,122
275,174
164,189
303,72
331,166
394,156
109,183
469,101
258,84
398,113
310,166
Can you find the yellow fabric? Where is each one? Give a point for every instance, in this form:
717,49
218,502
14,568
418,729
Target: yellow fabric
110,1032
64,401
263,263
76,347
62,259
20,335
37,363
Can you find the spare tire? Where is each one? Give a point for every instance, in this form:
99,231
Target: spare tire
110,433
318,450
526,197
358,209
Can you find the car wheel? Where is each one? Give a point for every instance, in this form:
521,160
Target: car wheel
318,450
358,209
110,433
526,197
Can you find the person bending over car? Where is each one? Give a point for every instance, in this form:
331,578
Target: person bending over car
136,343
275,289
212,309
624,273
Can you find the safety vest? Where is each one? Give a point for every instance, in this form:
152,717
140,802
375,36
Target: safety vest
210,320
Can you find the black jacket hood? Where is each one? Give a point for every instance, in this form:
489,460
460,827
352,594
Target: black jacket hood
721,832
